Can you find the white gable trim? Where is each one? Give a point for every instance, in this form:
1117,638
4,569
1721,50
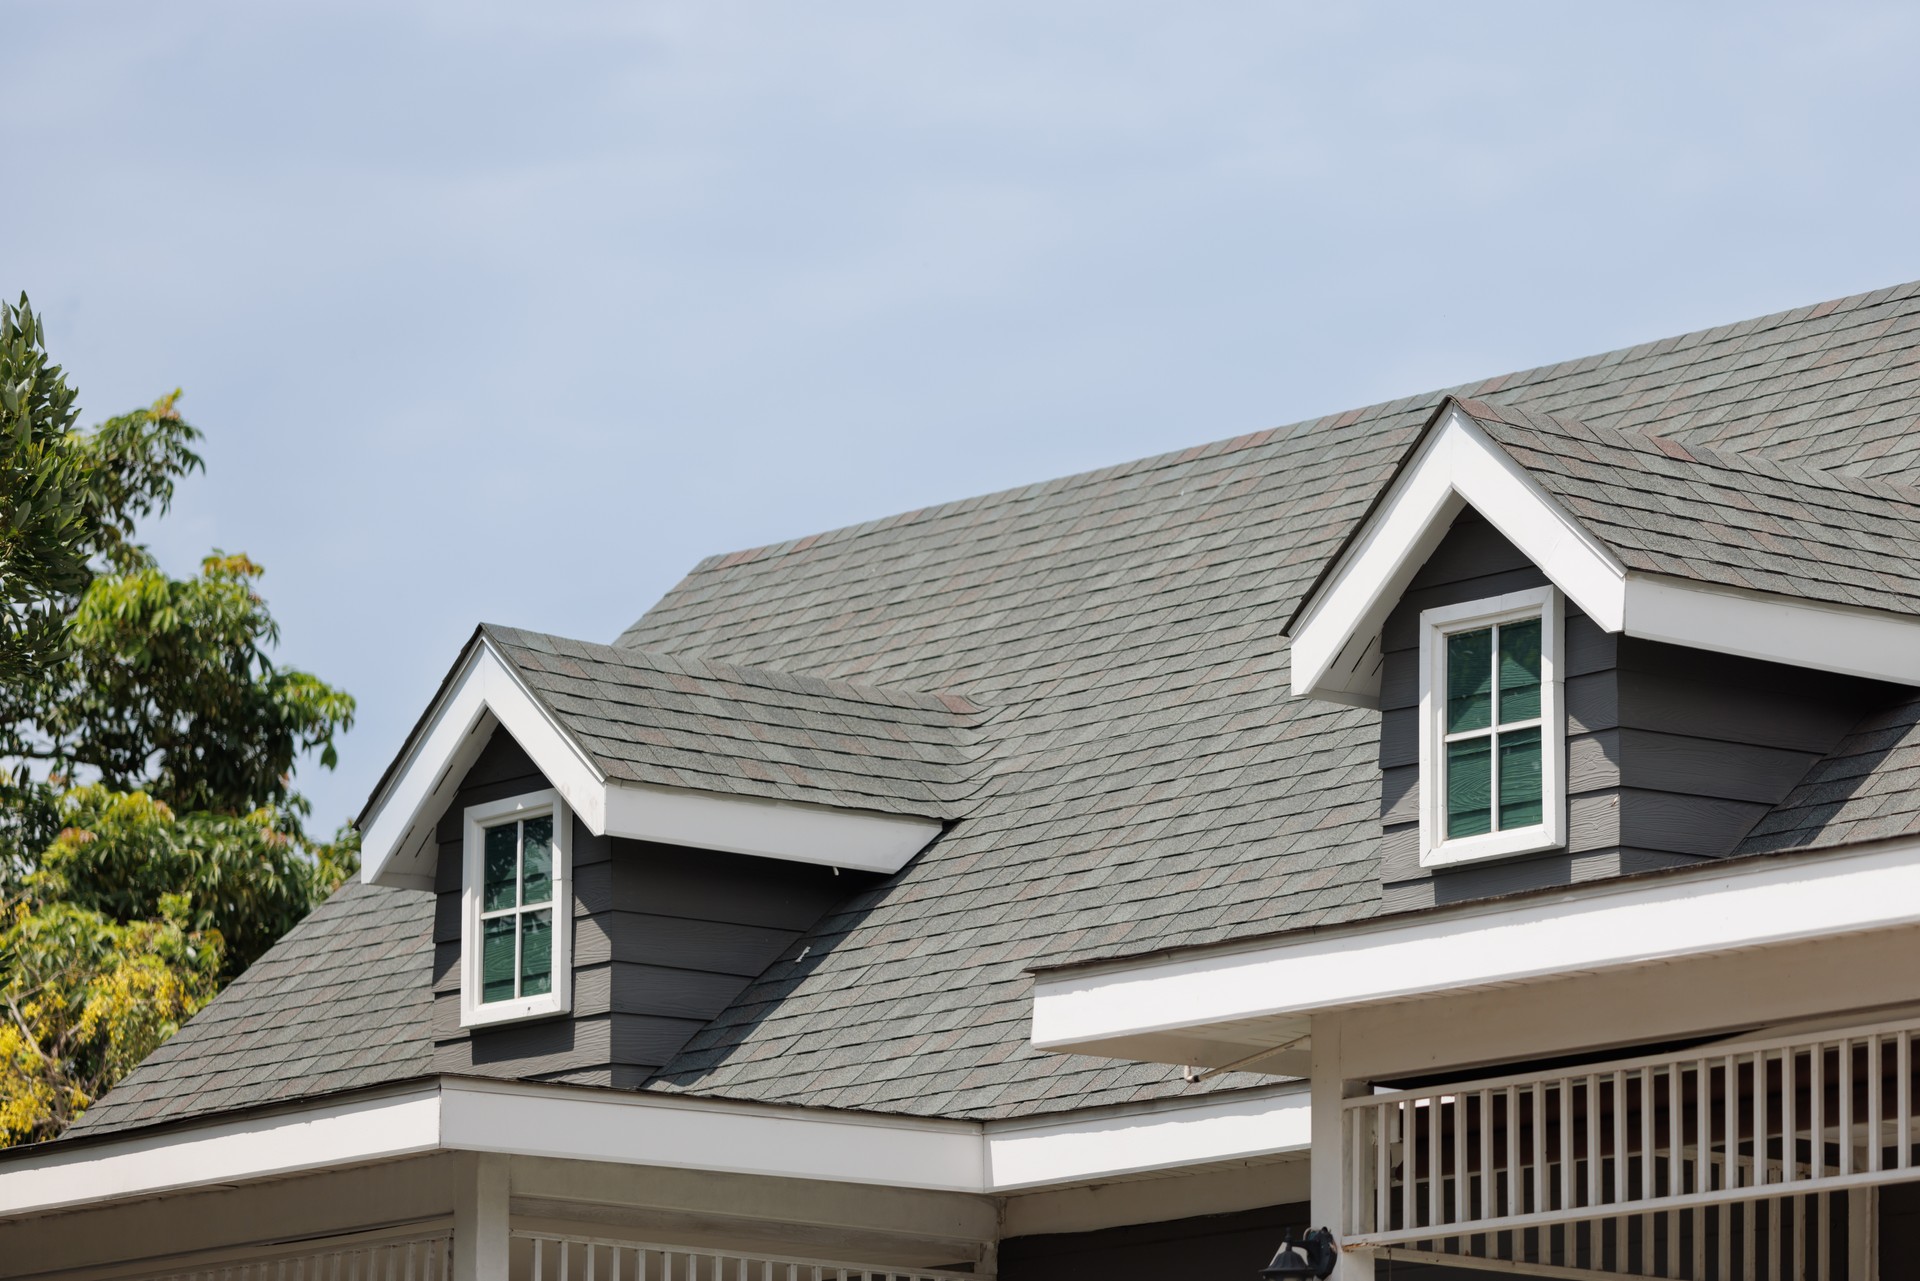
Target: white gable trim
1336,645
1131,1010
398,846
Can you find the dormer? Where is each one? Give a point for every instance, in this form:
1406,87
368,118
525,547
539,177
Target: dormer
620,841
1595,652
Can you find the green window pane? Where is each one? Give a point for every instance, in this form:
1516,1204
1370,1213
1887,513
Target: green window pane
537,860
501,872
1469,680
496,959
536,953
1520,671
1469,786
1520,804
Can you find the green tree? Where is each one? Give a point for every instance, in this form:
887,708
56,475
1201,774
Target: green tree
68,500
43,545
151,841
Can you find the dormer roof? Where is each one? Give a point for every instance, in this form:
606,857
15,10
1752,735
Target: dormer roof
685,751
1649,536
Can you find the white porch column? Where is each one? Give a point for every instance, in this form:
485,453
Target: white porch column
481,1191
1329,1171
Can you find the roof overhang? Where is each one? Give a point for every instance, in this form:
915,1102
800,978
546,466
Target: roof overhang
587,1124
398,846
1217,1004
1336,634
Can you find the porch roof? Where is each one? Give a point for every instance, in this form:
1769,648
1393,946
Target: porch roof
1238,1003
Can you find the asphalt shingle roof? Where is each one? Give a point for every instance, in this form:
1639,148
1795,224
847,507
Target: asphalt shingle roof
1149,781
344,1000
1720,516
683,721
1867,789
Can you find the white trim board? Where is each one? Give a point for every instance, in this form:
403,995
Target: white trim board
399,849
1335,645
1234,1125
1456,466
1134,1010
579,1123
222,1151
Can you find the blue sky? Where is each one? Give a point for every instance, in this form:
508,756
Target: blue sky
513,312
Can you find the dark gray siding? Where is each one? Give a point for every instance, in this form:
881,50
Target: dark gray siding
663,939
1673,754
1230,1246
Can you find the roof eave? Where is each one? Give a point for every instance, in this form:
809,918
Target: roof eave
483,690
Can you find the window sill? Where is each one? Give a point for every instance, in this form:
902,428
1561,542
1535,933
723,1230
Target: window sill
523,1010
1492,845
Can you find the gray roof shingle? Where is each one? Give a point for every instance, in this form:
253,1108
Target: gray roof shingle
1148,781
345,998
683,721
1719,516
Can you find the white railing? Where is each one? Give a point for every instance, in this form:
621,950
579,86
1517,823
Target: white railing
1721,1161
545,1256
414,1258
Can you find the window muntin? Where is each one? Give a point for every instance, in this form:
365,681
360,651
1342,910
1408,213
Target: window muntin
1493,729
514,943
516,909
1492,742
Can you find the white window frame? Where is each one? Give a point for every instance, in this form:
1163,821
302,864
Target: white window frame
1544,603
559,1000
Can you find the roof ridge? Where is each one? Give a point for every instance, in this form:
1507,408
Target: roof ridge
1513,380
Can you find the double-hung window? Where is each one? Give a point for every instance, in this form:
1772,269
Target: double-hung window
1492,734
516,926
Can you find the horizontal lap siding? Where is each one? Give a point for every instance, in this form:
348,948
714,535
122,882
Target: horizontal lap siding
664,939
1673,754
688,929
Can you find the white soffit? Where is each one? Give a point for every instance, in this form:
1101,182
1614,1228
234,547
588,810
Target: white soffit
398,847
573,1123
1131,1010
1336,645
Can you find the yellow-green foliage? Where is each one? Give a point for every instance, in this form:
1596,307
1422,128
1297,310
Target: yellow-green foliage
85,998
124,904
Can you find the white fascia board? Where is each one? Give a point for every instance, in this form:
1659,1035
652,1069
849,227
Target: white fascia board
855,1147
583,1124
1458,465
223,1152
1081,1148
1752,903
398,848
1780,629
695,1134
861,839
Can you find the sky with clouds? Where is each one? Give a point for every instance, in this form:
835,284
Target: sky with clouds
512,312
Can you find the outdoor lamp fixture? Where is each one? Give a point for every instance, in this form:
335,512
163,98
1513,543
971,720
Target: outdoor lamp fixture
1312,1255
